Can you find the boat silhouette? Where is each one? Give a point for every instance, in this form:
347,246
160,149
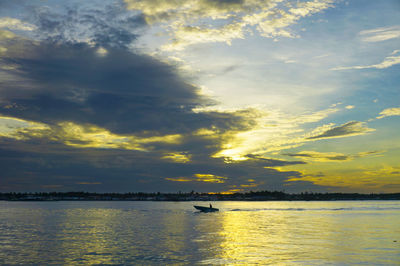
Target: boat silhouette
206,209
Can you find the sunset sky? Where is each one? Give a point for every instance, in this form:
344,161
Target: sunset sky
204,95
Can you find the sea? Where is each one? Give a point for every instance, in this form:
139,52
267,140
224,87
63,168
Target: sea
174,233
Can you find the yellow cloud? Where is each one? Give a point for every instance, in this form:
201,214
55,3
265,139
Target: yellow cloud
205,132
102,51
189,35
178,157
90,136
179,179
365,172
321,156
228,192
352,128
80,136
384,179
20,129
188,21
208,178
249,185
15,24
315,156
5,34
389,112
271,132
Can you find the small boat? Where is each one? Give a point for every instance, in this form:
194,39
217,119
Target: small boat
206,209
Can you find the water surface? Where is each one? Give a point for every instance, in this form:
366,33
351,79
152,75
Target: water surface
155,233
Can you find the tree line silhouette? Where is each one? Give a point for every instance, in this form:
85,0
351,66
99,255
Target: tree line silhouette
195,196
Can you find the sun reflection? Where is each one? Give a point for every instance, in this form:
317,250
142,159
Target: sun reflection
94,242
238,230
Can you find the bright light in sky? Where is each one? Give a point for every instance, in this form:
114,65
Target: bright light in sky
204,95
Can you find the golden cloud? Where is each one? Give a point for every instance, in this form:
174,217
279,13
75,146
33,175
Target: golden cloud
270,132
20,129
5,34
208,178
178,157
352,128
15,24
80,136
385,179
389,112
331,156
320,156
191,21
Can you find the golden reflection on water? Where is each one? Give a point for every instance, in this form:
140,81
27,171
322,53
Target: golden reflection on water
87,234
164,233
285,234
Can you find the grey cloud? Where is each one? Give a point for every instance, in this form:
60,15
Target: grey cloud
62,79
111,26
35,166
349,129
320,156
121,91
125,93
272,162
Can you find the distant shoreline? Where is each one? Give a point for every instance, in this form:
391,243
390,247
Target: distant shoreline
194,196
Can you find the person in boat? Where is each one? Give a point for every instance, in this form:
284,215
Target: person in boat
210,206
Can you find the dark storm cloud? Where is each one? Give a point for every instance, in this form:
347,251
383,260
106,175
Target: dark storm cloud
349,129
121,91
124,93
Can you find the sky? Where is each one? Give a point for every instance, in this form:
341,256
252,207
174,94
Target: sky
201,95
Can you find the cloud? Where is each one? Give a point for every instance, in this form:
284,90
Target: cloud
330,156
188,22
72,83
189,35
275,23
20,129
368,153
389,61
209,178
389,112
352,128
179,157
90,136
15,24
77,101
380,34
271,132
5,34
88,183
320,156
68,112
108,26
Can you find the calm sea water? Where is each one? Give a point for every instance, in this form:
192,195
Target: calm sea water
159,233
